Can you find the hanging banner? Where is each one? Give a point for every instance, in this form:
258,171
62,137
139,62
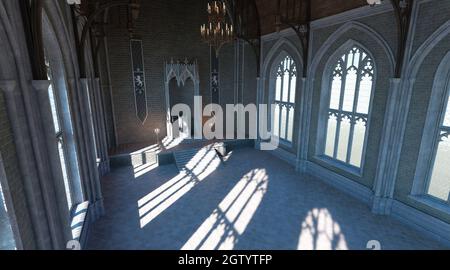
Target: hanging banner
140,95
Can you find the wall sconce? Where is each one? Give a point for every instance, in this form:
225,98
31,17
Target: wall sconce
157,131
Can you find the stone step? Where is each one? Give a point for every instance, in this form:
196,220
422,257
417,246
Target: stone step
197,158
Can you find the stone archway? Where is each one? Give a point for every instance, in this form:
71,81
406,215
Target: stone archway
181,75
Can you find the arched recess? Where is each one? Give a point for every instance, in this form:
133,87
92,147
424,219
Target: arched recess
425,49
427,72
325,96
279,51
180,72
342,30
182,94
78,100
433,129
381,52
281,44
64,153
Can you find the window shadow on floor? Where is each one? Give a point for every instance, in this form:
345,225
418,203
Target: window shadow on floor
252,201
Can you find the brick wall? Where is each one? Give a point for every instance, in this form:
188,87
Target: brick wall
169,29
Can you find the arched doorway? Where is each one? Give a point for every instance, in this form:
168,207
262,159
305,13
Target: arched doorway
182,94
181,86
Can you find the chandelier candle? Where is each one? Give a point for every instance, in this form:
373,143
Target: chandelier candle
217,31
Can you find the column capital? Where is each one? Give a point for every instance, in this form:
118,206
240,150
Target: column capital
41,85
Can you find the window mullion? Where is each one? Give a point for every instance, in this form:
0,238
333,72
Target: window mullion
281,101
355,106
288,108
341,103
279,119
282,85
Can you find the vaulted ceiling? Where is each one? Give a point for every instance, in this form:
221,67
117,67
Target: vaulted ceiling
319,9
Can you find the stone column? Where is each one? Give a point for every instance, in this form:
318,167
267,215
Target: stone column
79,136
101,129
391,144
59,200
303,130
33,159
94,194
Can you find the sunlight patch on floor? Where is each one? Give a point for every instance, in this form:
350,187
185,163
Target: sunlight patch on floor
198,168
143,169
221,230
321,232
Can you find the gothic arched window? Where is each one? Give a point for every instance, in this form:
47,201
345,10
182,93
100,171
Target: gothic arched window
59,135
439,184
284,99
432,176
350,96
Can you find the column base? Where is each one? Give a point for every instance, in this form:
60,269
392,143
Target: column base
382,206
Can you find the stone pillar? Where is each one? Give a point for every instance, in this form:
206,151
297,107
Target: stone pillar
92,184
79,134
32,153
31,186
303,124
391,144
101,129
59,200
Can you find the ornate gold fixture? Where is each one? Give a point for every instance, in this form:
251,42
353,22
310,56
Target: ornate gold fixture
217,31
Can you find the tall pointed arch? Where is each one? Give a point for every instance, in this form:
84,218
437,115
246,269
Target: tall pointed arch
348,87
284,75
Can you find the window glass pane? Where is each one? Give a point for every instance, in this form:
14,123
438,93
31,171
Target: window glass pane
285,86
349,94
285,94
357,58
62,160
52,99
276,120
331,136
278,89
359,134
350,59
365,91
283,122
293,88
440,179
335,93
344,135
447,114
353,66
290,124
51,96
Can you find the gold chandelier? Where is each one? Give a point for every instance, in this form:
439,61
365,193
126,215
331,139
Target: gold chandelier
217,31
